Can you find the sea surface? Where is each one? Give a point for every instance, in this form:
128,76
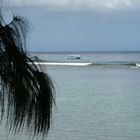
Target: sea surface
97,101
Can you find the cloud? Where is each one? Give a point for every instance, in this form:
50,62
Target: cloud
108,5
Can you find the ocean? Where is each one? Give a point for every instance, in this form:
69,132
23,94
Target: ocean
99,100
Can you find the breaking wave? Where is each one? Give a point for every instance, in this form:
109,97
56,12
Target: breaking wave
96,64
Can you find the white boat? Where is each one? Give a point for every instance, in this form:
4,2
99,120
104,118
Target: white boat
74,57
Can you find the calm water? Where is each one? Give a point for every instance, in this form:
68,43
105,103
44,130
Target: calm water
94,102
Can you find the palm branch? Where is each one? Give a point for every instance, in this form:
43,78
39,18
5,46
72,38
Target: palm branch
26,92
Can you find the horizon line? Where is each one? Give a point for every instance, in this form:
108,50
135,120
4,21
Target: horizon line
37,51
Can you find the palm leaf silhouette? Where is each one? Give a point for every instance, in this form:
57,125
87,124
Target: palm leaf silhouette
26,92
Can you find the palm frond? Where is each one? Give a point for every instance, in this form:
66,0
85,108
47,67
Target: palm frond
26,92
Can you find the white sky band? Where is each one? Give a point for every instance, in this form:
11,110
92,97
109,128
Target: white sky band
80,4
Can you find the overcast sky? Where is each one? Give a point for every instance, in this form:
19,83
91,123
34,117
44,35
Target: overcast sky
81,25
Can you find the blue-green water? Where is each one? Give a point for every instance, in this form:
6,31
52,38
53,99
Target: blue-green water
97,104
94,102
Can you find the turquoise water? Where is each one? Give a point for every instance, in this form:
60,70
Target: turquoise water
94,102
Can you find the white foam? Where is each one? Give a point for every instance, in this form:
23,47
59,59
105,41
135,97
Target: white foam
138,65
62,64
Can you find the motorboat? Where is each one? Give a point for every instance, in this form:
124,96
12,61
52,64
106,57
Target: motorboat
74,57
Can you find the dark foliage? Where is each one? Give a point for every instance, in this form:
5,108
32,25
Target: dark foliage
26,92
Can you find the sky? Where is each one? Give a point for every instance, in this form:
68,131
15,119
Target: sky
80,25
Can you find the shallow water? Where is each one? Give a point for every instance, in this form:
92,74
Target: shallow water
100,104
